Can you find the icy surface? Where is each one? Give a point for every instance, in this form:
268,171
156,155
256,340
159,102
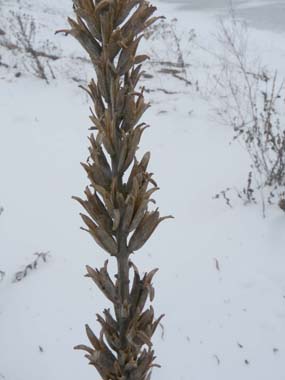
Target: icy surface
262,14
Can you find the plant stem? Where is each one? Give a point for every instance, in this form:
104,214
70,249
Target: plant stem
123,286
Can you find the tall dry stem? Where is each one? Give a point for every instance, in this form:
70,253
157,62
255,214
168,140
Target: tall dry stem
117,201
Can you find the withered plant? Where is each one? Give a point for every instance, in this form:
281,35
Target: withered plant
175,49
250,99
31,54
21,274
117,200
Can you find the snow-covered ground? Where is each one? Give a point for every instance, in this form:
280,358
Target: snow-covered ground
221,281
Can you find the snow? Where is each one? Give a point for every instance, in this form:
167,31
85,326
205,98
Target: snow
221,281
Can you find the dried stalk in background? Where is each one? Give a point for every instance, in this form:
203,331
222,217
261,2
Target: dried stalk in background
117,200
250,99
21,274
2,275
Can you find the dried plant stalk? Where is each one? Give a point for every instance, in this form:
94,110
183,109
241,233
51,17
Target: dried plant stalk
119,218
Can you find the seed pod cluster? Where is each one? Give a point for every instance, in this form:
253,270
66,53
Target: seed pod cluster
134,358
117,200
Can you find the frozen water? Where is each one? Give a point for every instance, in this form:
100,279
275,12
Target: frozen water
262,14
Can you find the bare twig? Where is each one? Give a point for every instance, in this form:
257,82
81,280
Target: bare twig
41,256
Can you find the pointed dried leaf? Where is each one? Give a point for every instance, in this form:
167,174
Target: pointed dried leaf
133,145
145,230
144,338
84,348
125,10
156,323
123,154
101,236
103,281
149,276
129,212
140,215
92,338
117,219
86,40
145,161
140,58
127,57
